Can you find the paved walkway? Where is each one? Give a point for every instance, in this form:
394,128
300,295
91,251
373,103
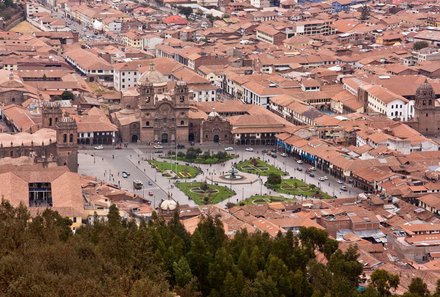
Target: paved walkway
108,163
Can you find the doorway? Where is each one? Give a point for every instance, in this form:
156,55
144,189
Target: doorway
164,138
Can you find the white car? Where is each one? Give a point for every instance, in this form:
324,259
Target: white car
322,178
99,147
158,146
339,181
299,162
283,155
229,148
249,149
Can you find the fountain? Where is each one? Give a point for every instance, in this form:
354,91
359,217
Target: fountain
232,174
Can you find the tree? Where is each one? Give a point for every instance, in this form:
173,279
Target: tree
382,282
417,288
420,45
186,11
365,13
182,272
274,179
67,95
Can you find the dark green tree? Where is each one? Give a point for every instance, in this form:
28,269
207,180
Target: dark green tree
274,179
420,45
382,282
67,95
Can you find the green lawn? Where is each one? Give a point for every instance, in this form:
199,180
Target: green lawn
257,166
260,199
183,171
203,160
214,194
298,188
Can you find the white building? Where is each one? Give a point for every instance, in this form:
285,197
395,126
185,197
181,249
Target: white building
383,101
255,93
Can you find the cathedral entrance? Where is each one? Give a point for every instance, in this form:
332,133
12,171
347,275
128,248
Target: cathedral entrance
164,138
216,139
134,138
191,137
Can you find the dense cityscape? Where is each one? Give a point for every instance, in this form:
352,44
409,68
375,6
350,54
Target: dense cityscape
220,148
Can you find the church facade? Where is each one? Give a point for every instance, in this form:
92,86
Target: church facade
162,111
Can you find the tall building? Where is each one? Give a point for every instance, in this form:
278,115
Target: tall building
67,143
426,111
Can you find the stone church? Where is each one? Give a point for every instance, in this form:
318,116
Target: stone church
162,111
426,111
56,143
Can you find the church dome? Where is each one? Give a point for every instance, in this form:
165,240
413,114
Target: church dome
213,114
168,205
152,76
425,91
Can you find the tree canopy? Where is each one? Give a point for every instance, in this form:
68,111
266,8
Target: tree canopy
42,257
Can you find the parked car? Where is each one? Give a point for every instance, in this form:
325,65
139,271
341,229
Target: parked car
299,161
323,178
99,147
229,148
283,155
125,172
343,188
339,181
158,146
299,169
150,193
249,149
150,183
311,174
124,175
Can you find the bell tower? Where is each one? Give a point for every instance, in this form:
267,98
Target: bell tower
425,97
146,92
51,113
181,103
181,94
67,143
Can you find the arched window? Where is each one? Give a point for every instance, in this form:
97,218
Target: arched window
65,138
50,122
71,138
147,123
182,122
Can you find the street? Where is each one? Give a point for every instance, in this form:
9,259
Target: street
107,165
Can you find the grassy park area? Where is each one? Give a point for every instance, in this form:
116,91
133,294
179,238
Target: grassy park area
182,171
203,193
298,188
261,199
195,155
257,166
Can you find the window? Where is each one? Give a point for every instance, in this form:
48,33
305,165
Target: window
65,138
182,123
40,194
147,123
50,122
426,115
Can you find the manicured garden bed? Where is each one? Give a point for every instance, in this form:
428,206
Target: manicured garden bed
257,166
203,193
298,188
261,199
182,171
197,156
